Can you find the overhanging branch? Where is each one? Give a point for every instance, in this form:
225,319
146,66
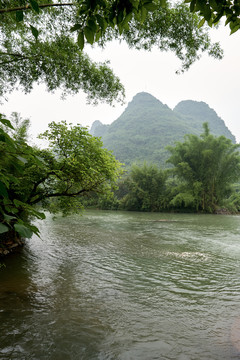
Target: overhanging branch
66,194
28,7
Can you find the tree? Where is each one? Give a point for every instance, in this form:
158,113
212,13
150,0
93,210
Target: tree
74,164
146,189
207,166
44,41
212,11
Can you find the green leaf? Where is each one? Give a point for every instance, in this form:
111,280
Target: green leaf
150,6
75,27
36,213
126,26
34,229
135,4
236,28
9,217
3,228
143,14
80,40
35,6
3,190
101,22
6,123
207,13
19,203
126,20
201,23
163,3
23,230
213,4
34,31
192,5
19,15
120,28
89,34
23,160
98,35
92,25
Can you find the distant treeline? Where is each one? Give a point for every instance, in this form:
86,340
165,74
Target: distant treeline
204,177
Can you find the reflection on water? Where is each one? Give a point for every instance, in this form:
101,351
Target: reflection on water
126,286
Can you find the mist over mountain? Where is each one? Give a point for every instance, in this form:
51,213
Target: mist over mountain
147,126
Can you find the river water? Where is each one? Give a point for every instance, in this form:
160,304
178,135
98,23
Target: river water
124,286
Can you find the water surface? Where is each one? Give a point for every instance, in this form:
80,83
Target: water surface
125,286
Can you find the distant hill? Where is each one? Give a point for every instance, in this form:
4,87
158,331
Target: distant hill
195,113
147,126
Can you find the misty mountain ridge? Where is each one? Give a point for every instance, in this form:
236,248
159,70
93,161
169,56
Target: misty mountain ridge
147,126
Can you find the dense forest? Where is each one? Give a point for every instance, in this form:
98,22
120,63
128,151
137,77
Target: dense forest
203,177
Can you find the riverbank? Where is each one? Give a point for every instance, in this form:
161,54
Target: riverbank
10,243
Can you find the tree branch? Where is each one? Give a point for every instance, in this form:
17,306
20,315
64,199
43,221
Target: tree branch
15,57
28,7
47,196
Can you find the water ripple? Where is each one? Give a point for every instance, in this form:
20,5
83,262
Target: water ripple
124,286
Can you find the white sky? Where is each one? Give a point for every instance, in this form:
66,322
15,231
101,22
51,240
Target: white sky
215,82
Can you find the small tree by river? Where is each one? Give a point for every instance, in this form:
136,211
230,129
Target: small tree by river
74,164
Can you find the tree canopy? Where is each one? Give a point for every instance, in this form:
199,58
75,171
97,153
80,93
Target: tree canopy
145,187
43,41
74,164
207,167
212,11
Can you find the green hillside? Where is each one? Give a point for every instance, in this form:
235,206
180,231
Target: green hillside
147,126
195,113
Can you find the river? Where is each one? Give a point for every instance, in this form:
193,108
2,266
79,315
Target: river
124,286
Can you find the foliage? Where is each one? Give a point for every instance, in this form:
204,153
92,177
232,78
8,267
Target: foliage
146,189
203,179
74,164
207,166
212,11
232,203
44,42
59,64
14,211
173,28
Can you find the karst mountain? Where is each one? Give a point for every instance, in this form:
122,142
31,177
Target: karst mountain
147,126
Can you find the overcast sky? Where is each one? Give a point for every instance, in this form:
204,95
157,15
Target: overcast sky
215,82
